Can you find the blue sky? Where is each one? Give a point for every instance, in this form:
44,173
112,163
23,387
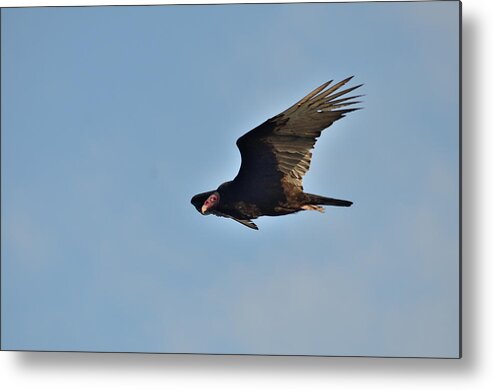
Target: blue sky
113,117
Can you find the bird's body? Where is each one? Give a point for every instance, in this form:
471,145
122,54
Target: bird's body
275,156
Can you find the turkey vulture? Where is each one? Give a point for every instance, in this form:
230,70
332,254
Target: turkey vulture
274,158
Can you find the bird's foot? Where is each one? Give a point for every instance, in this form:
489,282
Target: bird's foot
314,207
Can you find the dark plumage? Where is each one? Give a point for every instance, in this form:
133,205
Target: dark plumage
274,158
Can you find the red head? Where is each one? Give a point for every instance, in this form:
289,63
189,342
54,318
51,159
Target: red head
210,202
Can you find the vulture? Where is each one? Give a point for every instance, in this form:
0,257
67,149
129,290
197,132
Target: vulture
274,158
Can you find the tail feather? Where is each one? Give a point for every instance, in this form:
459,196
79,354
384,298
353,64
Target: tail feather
317,199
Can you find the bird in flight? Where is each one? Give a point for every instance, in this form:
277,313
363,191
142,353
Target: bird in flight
274,158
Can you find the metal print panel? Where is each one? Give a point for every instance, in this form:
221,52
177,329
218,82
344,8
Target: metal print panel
120,124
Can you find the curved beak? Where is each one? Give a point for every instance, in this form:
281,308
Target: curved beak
203,209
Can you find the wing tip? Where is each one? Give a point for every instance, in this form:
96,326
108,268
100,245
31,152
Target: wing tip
251,225
347,111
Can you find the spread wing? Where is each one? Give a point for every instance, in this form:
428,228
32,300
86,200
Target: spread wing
280,148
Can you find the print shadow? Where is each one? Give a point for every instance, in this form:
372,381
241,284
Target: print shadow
162,363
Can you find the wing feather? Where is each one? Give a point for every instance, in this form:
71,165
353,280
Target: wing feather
281,147
246,222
